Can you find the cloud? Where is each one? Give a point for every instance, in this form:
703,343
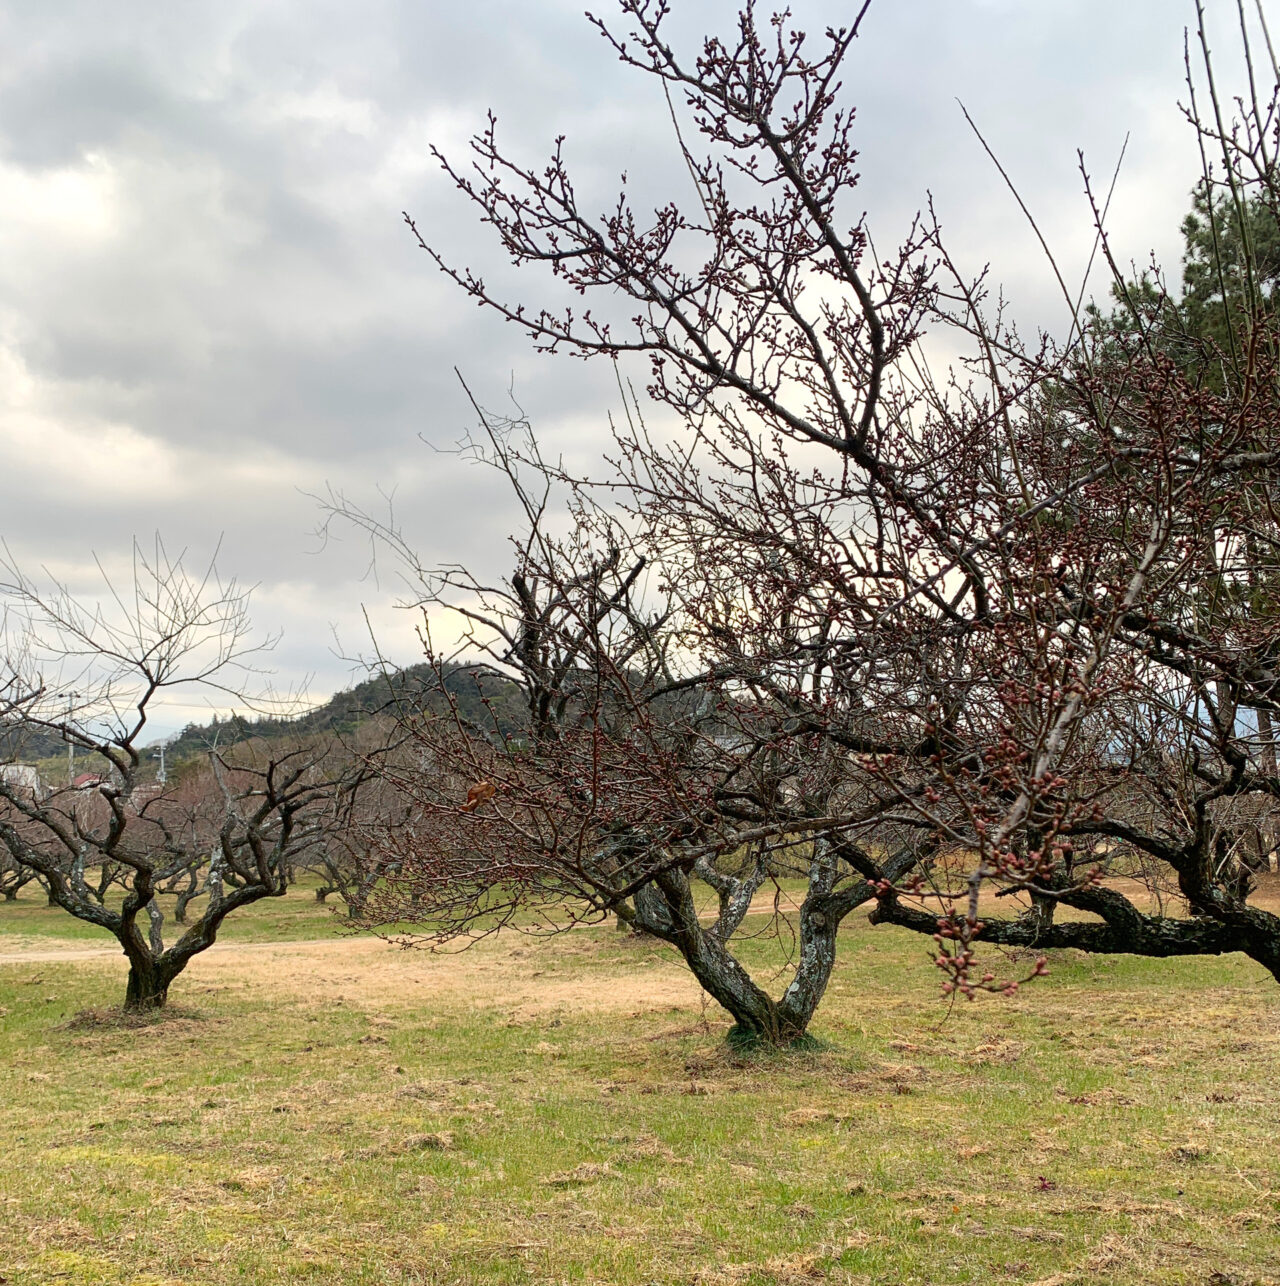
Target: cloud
209,306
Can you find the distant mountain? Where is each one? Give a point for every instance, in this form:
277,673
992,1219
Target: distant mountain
414,688
19,742
417,687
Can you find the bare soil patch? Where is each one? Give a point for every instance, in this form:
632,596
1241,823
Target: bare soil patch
367,971
521,978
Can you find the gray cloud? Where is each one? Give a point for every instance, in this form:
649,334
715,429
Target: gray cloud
209,305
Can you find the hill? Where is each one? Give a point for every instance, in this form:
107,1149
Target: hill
415,687
20,742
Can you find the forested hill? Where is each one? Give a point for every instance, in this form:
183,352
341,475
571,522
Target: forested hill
417,686
414,687
26,744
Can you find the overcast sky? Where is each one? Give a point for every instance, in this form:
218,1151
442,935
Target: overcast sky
210,308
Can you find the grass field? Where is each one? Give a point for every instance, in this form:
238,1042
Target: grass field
326,1109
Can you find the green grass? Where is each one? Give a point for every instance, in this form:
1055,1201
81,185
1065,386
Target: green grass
1112,1124
288,919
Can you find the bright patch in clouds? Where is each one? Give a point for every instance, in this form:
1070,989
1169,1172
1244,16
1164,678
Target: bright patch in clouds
77,206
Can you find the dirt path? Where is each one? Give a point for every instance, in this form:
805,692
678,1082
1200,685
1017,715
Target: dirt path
38,953
525,978
35,949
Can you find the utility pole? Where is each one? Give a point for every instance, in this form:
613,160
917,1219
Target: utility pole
160,776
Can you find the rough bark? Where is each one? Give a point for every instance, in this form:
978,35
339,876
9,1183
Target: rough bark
1127,931
821,915
148,985
1268,831
185,895
733,892
756,1017
1152,936
666,909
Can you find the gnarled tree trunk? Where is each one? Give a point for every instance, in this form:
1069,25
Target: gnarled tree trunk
666,909
148,985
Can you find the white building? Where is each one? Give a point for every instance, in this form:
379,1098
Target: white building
23,777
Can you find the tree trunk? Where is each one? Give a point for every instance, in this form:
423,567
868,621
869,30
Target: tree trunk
321,894
1039,915
184,897
734,892
818,929
757,1020
148,986
666,909
150,971
821,916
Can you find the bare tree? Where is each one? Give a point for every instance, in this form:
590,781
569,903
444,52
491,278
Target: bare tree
91,672
13,877
339,859
1134,731
1011,633
639,773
